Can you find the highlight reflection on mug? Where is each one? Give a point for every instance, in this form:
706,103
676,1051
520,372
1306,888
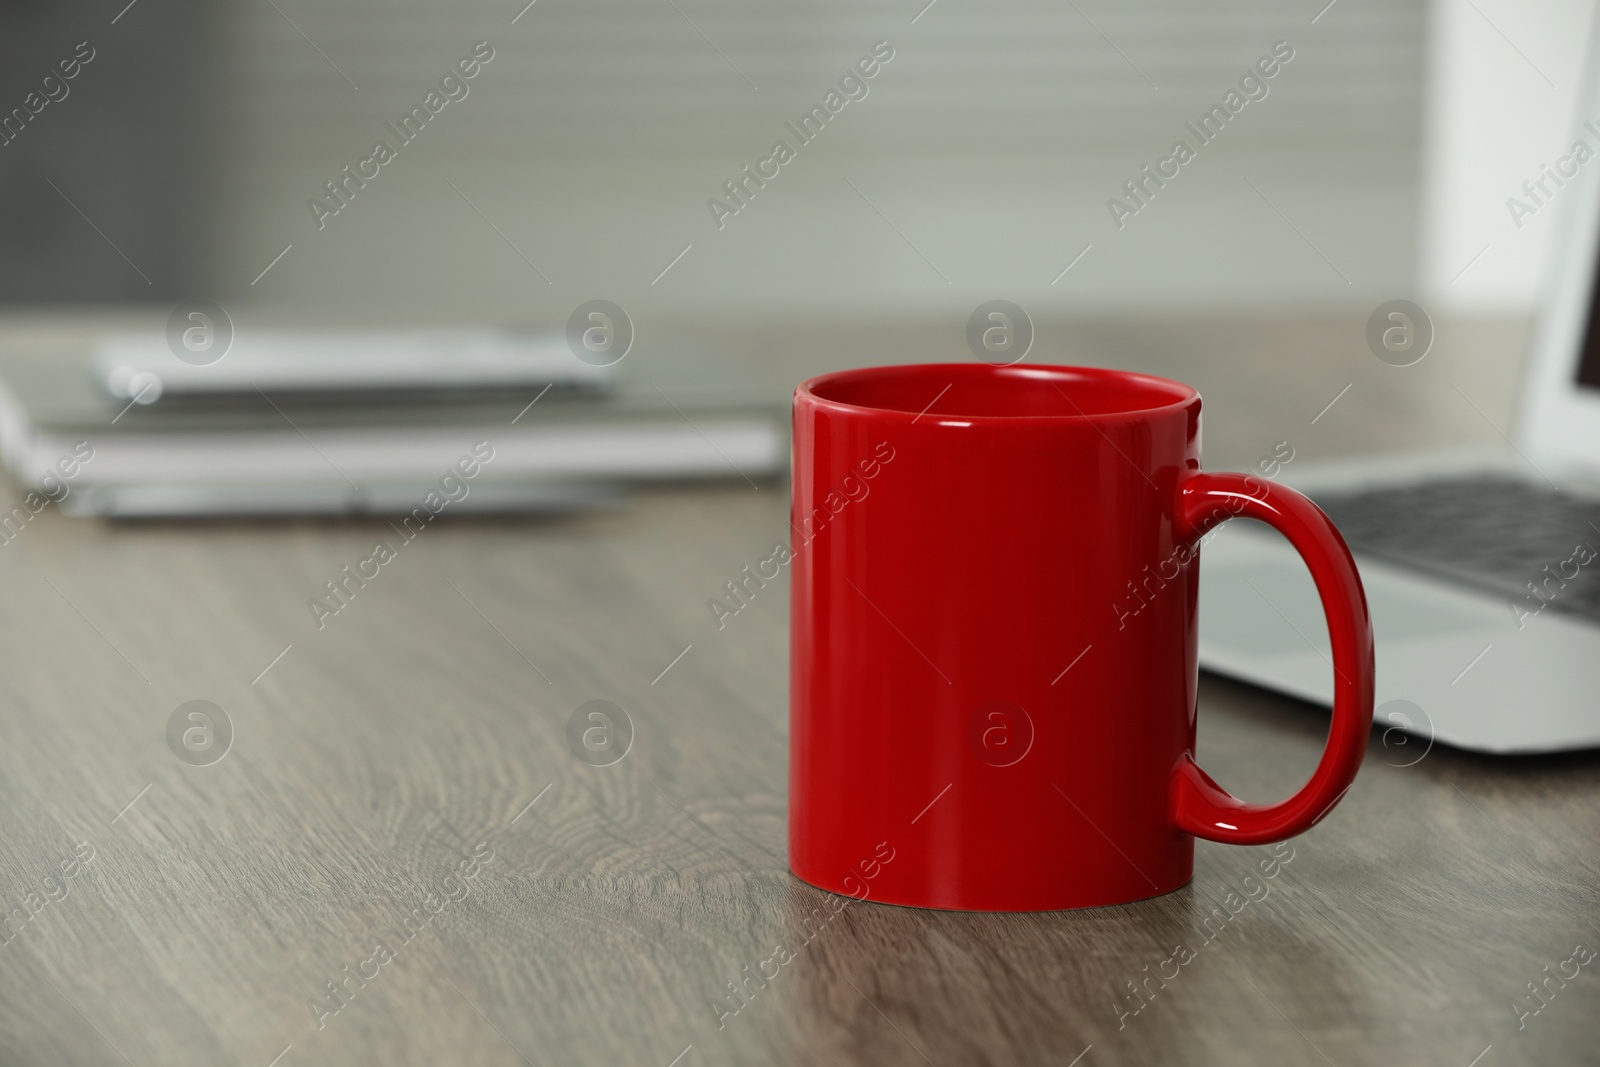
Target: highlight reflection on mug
1000,733
599,733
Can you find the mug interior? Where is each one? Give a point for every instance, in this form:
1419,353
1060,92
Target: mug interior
979,390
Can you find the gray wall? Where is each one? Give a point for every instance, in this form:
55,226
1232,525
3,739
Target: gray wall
111,158
981,158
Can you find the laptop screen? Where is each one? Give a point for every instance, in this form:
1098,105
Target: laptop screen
1589,365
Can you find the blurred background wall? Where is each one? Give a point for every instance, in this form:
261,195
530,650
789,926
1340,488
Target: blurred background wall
127,141
991,142
978,165
1501,101
595,136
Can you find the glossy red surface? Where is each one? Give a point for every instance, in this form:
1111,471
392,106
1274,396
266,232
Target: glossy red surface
994,638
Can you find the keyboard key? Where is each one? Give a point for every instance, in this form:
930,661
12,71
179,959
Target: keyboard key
1492,532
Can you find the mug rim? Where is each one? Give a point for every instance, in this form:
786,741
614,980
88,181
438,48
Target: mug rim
1182,396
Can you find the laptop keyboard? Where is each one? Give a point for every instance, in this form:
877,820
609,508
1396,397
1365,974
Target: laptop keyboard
1495,533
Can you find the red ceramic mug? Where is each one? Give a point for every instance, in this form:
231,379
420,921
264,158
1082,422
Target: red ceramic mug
993,644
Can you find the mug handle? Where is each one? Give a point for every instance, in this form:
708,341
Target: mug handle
1196,803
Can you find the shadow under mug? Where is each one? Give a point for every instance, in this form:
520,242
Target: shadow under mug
995,574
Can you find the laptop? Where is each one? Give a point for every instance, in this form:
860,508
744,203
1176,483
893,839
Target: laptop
1482,571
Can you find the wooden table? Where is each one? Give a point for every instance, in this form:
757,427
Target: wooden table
374,755
209,907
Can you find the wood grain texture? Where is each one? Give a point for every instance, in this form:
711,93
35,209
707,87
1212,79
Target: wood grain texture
423,719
